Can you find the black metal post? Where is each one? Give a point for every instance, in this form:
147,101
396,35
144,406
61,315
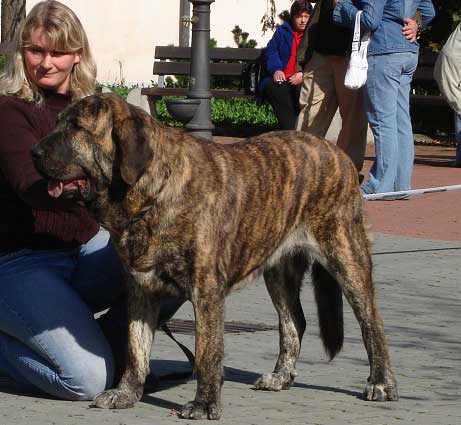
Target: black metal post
201,124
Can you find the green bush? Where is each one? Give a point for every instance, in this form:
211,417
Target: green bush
234,116
229,112
120,89
241,112
163,116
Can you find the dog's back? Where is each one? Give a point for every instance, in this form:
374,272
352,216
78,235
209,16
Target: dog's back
280,191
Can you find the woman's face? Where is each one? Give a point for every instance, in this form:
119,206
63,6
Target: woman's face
300,21
47,68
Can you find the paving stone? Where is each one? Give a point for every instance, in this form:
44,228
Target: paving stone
417,284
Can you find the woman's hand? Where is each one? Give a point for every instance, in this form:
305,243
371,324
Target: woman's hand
296,79
279,77
410,30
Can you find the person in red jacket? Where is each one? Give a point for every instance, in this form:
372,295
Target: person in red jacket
57,266
282,84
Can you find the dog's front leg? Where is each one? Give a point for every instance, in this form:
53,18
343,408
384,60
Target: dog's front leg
143,310
209,350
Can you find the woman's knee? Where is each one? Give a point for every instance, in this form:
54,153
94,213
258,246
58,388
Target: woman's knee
87,382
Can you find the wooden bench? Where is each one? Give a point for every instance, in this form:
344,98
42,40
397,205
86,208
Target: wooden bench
429,110
424,77
173,60
229,61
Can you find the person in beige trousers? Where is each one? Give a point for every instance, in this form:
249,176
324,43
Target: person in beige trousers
324,53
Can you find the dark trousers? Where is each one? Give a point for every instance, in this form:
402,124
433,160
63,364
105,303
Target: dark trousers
284,99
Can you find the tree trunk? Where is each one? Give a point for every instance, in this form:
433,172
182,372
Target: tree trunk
13,14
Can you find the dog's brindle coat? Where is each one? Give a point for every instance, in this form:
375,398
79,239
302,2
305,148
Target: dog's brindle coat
197,219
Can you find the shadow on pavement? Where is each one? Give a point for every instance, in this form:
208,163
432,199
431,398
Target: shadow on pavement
230,374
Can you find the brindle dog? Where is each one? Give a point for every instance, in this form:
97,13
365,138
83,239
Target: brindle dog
195,219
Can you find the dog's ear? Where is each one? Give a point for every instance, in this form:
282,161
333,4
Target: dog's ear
132,128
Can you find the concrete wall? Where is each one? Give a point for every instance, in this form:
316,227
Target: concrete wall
123,33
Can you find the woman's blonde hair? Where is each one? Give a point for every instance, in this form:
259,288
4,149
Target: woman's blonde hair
65,33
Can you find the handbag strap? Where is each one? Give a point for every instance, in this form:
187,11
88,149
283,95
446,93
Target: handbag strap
357,41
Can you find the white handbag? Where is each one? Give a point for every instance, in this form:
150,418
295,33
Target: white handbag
356,74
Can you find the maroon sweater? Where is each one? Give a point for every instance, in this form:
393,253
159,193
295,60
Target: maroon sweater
29,217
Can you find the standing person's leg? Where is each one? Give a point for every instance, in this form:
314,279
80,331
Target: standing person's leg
281,98
406,144
352,138
295,93
317,100
381,91
458,139
49,339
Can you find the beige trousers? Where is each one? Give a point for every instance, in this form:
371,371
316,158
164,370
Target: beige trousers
322,92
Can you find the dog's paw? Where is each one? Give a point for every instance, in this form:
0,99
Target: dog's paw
381,392
115,399
198,410
275,381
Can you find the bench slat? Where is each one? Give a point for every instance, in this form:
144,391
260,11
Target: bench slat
427,100
216,53
424,73
427,58
235,69
183,68
179,91
173,60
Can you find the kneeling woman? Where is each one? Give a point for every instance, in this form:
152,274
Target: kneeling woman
57,267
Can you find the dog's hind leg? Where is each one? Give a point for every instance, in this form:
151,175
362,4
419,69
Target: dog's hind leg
208,302
143,312
348,261
283,282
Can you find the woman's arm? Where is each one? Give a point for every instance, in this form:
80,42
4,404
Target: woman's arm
410,29
16,166
345,11
273,62
427,11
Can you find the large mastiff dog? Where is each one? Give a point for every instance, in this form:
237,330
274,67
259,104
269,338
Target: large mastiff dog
195,219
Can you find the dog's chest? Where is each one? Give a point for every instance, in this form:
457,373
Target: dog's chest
165,264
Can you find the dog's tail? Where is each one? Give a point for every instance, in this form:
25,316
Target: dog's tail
329,300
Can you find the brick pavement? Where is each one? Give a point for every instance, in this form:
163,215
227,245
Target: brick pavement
431,216
418,296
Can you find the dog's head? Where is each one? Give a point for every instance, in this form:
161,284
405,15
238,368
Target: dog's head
100,144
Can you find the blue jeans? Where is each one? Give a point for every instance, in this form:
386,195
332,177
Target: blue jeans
49,339
387,106
458,138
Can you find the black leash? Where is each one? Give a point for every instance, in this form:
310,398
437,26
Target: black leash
153,381
186,351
